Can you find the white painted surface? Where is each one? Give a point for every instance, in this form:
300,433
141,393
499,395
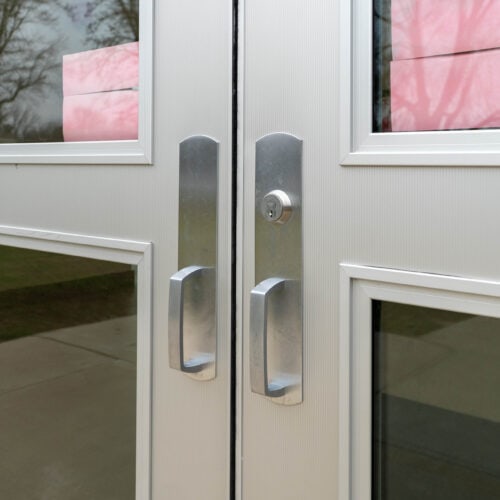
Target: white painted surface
192,95
435,219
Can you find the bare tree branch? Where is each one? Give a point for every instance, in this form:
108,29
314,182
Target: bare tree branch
30,56
27,48
112,22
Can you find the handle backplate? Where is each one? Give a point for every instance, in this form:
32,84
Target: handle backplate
193,289
276,301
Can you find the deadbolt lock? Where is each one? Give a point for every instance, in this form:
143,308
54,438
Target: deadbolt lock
276,206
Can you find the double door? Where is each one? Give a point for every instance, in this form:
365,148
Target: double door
353,344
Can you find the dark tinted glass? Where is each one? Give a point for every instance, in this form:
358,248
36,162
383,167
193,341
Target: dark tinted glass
436,404
67,377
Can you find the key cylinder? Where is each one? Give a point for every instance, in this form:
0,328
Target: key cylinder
276,206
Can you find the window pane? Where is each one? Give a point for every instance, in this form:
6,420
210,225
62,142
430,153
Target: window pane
436,404
67,377
435,65
69,70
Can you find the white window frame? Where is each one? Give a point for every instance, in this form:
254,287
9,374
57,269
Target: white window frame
135,253
103,152
358,287
361,146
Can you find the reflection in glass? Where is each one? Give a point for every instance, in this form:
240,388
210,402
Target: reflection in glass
436,404
67,377
435,65
35,36
382,55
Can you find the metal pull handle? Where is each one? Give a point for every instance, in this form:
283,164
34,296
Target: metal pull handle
192,333
192,300
276,303
259,373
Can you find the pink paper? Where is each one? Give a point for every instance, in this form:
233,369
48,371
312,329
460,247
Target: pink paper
106,116
422,28
111,68
447,92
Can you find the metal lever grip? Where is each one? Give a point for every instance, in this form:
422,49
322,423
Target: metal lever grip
259,374
205,290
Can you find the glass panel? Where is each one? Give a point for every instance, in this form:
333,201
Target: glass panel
69,70
436,404
67,377
435,65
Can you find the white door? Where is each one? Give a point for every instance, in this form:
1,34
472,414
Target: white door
92,124
394,359
398,119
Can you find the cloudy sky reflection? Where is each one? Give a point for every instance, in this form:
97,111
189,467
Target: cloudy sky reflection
40,33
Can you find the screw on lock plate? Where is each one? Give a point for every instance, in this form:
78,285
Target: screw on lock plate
276,206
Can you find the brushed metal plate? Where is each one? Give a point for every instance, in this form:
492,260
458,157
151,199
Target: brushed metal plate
278,254
195,328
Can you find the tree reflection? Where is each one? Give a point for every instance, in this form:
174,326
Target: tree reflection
446,79
382,55
26,62
434,65
109,22
114,22
34,36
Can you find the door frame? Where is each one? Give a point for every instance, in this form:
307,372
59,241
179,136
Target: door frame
359,285
360,146
136,253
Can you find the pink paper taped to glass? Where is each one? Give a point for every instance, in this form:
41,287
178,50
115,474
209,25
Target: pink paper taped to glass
422,28
104,116
100,94
460,91
111,68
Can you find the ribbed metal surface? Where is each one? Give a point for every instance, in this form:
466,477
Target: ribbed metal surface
192,96
289,452
438,220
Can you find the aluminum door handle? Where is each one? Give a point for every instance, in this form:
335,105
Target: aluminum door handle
259,373
276,302
192,317
201,281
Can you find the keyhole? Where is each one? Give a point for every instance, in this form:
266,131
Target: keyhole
271,209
